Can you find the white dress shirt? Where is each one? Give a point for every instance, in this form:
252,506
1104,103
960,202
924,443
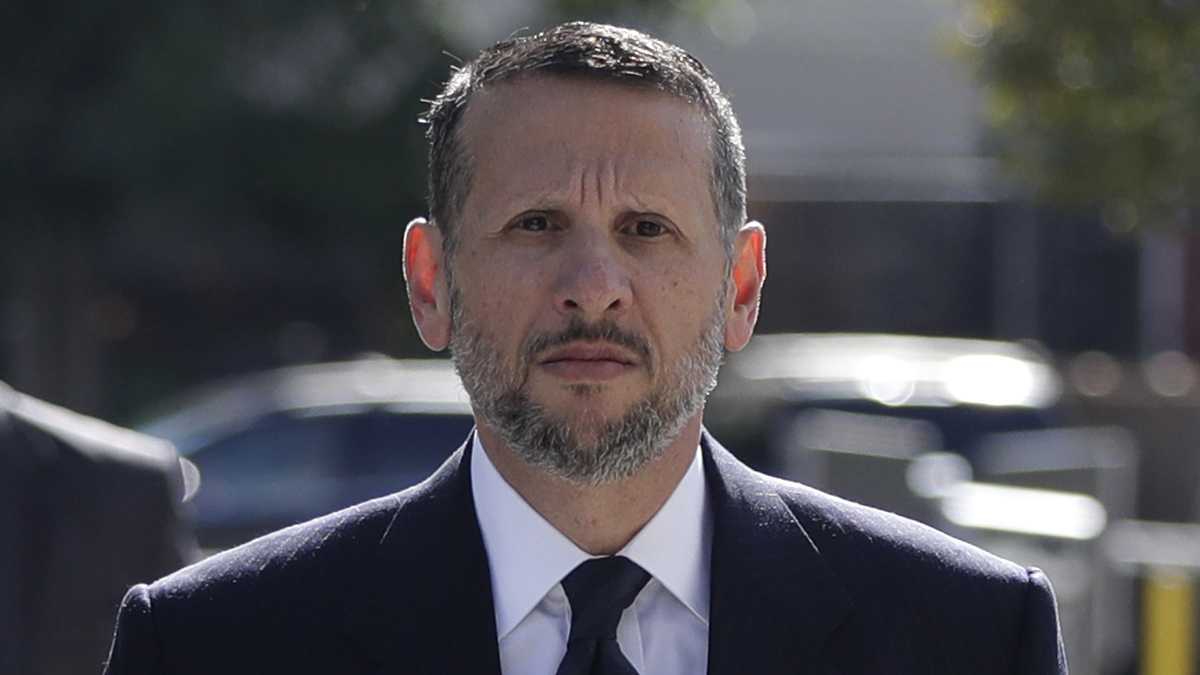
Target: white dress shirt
664,631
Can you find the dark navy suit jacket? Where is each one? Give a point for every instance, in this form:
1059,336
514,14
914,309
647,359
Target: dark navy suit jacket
802,582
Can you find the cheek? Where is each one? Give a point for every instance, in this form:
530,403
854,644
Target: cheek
690,284
678,304
501,294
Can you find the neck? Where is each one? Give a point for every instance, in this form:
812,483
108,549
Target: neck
599,519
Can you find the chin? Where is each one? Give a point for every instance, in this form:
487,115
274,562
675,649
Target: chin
586,391
588,406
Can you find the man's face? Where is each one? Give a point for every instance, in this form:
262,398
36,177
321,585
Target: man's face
588,288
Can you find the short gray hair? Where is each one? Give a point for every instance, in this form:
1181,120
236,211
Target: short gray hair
591,50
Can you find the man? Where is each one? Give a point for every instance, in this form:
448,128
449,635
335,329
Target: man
587,262
86,509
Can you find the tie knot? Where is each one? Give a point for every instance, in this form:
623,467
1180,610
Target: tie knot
599,590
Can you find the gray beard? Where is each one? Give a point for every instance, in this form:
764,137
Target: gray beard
613,451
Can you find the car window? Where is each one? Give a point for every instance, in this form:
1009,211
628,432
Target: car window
278,467
391,450
961,426
285,468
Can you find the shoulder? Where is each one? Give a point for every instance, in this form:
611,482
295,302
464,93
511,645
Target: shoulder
282,601
295,557
285,586
886,549
276,593
312,562
861,542
944,599
901,572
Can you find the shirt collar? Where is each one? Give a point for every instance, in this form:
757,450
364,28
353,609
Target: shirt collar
675,547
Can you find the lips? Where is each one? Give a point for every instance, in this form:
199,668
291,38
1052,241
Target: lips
590,352
588,362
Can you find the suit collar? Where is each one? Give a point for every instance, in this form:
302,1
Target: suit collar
775,601
423,602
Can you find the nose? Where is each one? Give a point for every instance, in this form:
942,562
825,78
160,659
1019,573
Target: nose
594,283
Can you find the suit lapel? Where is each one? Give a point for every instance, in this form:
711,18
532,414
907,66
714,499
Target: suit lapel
423,604
774,599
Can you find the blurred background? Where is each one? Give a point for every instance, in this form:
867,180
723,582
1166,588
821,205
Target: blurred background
982,308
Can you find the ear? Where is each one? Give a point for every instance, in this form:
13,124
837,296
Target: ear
747,274
424,273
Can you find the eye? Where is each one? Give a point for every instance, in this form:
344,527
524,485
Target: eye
534,222
649,228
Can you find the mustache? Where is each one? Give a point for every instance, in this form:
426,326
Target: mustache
578,330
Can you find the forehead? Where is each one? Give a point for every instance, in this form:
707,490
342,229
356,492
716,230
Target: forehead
528,132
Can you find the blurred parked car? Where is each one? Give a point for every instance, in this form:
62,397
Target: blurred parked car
287,445
280,447
963,389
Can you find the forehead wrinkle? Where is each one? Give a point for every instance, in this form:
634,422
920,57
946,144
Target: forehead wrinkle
597,181
600,176
583,183
621,172
615,180
606,173
601,181
609,182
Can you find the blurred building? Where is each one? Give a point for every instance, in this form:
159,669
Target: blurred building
871,167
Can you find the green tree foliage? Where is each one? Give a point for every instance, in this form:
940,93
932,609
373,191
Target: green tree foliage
1095,102
289,115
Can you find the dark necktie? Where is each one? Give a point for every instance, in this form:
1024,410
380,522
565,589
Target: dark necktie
599,590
